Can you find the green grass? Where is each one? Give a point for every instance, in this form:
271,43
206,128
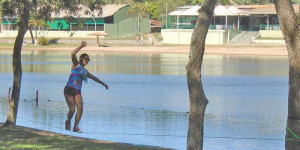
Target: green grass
15,138
124,38
7,44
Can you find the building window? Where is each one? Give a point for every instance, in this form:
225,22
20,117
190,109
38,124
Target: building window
99,27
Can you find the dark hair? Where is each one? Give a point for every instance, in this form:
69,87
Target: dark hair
82,56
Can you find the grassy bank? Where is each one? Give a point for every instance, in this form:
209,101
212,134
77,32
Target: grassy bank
16,138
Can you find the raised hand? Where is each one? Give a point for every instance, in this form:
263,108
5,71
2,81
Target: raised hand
83,44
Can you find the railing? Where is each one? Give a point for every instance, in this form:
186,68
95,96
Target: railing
223,27
192,26
269,27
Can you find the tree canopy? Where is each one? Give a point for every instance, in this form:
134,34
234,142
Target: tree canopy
157,8
41,9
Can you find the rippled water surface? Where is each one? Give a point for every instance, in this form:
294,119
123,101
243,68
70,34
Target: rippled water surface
147,102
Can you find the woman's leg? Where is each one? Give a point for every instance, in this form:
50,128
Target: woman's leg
71,104
79,106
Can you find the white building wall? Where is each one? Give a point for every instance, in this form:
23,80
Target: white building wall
48,34
183,36
271,33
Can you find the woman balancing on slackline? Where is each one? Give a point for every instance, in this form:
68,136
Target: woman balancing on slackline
72,90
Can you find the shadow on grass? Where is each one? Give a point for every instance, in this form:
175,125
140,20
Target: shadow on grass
53,41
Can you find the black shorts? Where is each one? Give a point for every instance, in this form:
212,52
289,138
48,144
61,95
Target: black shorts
71,91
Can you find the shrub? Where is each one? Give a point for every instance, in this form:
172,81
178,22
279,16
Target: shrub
43,41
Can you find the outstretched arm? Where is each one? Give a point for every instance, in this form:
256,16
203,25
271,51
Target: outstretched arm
89,75
73,54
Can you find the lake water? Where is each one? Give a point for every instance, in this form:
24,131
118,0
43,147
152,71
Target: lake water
147,102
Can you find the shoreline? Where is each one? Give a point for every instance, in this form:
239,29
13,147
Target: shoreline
257,50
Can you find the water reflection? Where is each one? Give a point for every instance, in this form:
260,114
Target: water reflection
147,63
244,65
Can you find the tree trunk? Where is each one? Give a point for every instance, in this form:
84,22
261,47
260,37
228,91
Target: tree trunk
17,67
291,32
138,24
198,100
293,121
36,37
31,34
